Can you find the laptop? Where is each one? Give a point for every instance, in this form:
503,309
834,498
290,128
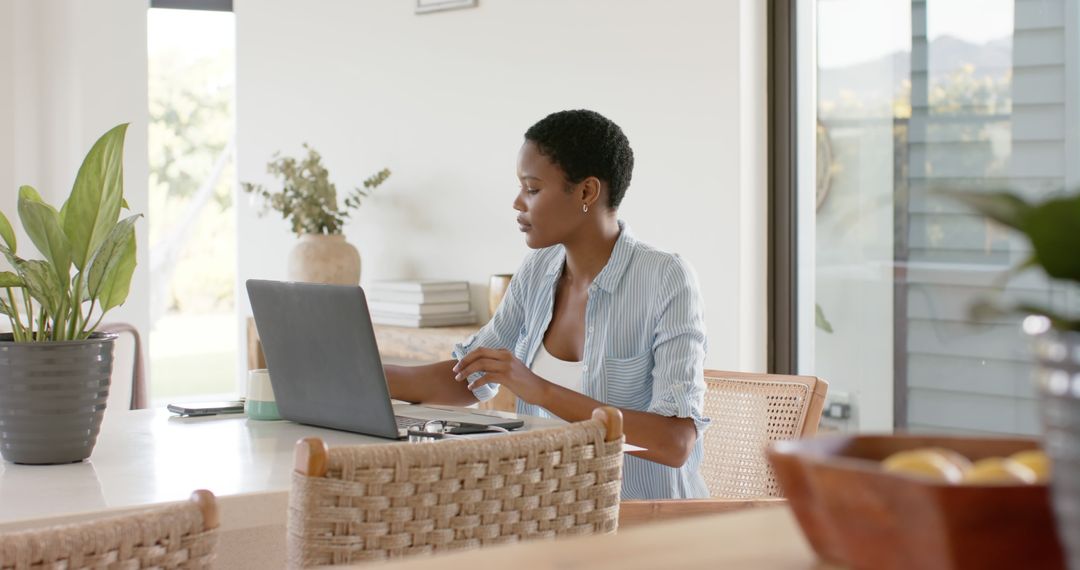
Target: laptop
325,367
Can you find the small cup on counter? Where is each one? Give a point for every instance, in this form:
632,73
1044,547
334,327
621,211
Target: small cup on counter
260,403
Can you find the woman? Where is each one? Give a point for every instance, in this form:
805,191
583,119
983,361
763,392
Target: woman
592,316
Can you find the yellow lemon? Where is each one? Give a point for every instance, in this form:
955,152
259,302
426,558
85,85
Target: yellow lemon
998,470
1036,460
962,463
923,463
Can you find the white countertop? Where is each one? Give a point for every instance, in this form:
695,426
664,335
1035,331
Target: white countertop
146,457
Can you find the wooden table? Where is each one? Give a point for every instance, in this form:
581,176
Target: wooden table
762,539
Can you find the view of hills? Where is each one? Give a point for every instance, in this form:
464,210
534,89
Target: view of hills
882,78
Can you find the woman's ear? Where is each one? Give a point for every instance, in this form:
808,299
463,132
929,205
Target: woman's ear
591,192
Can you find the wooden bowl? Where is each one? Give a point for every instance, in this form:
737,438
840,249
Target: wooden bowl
854,513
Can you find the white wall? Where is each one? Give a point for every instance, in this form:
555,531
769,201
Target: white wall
7,108
69,71
444,99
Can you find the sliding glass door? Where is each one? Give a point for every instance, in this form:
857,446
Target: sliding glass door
912,98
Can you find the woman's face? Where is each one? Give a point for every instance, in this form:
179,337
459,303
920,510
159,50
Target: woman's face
547,213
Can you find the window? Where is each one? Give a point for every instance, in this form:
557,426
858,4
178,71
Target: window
910,98
193,343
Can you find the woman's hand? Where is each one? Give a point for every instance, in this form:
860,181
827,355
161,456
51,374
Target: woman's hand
502,367
667,440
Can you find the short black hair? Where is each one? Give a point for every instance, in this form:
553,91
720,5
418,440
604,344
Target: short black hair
585,143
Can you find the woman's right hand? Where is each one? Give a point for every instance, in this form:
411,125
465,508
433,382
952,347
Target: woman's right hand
502,367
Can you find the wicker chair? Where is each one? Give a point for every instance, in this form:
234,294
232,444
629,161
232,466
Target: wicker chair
748,412
180,535
371,502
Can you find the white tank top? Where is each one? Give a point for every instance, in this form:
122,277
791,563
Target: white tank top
560,372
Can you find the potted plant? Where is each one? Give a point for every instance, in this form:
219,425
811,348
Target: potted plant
1052,226
309,200
54,367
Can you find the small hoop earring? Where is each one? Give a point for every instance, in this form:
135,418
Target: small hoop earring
584,208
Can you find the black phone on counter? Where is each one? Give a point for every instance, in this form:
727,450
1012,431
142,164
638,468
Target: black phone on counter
207,408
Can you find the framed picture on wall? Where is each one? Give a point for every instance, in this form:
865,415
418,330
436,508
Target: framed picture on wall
428,6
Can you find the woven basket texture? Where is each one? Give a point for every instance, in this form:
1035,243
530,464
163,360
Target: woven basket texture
165,537
404,499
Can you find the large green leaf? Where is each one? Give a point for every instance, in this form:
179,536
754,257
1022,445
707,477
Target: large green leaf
84,295
1054,230
94,206
9,279
1002,207
6,232
42,224
109,258
13,259
42,284
117,281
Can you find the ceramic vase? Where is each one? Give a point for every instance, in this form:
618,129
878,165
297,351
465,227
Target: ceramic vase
320,258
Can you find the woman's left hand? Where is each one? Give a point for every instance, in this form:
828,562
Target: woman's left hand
502,367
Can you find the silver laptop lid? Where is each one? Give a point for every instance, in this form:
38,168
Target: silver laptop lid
323,360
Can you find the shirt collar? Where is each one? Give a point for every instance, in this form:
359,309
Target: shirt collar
612,273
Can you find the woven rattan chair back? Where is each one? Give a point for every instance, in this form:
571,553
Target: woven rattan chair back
749,411
180,535
371,502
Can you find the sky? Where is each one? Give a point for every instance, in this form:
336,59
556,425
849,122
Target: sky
198,32
853,31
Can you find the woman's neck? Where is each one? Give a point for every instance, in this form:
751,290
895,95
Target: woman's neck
590,250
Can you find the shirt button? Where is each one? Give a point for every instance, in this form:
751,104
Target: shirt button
590,329
584,367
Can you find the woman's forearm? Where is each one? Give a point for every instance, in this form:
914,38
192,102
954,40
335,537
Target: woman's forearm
667,440
428,384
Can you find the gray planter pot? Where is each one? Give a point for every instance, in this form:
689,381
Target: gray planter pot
1058,379
52,398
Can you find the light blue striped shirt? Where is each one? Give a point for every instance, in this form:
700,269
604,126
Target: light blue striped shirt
644,346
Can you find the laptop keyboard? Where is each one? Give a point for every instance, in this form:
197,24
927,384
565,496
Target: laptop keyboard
406,423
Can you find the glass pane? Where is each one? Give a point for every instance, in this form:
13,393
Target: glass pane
193,340
915,97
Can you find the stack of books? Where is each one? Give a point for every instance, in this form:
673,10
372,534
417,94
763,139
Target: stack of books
420,303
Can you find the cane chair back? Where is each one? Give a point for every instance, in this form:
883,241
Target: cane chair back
371,502
177,536
748,412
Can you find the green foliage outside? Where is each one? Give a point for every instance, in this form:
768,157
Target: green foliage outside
191,125
86,233
307,198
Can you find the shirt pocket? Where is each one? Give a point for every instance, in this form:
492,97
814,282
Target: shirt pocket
628,381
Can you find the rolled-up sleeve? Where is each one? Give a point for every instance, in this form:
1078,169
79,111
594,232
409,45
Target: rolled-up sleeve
679,346
500,333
